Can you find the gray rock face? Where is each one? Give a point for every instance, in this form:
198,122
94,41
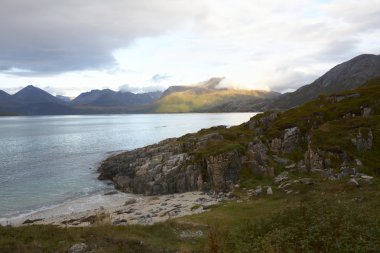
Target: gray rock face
256,159
262,121
288,142
169,167
223,170
291,139
314,160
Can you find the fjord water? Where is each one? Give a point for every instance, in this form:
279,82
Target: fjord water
47,159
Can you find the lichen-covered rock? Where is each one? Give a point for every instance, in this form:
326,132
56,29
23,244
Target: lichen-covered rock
169,167
291,139
287,143
275,145
281,177
256,159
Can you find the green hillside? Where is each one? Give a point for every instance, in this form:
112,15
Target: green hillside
203,99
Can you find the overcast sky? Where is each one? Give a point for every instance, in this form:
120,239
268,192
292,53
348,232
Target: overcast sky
71,46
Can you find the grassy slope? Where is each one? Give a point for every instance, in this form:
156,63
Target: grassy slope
329,216
190,101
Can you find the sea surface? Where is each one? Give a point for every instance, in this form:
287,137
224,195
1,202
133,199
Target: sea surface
47,160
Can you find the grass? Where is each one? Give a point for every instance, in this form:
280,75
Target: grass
329,217
105,238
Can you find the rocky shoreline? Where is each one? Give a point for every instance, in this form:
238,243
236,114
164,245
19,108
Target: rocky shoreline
118,208
333,137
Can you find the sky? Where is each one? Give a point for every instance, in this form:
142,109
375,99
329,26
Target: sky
68,47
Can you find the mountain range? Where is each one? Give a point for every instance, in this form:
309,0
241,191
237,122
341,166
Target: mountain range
208,96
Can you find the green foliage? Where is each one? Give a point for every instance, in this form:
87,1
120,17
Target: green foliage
325,109
161,237
318,226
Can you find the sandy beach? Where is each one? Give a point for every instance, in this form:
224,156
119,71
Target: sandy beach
118,208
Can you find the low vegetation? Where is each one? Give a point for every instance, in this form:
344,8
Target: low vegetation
327,217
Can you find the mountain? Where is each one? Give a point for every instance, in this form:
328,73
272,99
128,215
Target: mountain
5,98
5,101
34,95
35,101
207,97
110,98
345,76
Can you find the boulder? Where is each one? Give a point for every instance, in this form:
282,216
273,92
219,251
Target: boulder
78,248
269,191
366,111
281,177
363,141
306,181
352,182
130,201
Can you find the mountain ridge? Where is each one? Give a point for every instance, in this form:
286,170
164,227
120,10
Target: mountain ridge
344,76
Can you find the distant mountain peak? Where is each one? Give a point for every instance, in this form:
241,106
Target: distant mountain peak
32,95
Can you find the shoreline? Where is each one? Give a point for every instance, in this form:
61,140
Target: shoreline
118,208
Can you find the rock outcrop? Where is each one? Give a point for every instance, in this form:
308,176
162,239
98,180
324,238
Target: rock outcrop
316,138
169,167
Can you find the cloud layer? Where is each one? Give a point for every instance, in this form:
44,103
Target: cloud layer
77,45
45,36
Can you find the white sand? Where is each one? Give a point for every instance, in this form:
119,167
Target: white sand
100,208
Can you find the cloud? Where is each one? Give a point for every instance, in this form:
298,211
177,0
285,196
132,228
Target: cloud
140,89
159,78
257,44
49,37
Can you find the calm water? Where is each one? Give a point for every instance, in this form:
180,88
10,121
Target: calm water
45,160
